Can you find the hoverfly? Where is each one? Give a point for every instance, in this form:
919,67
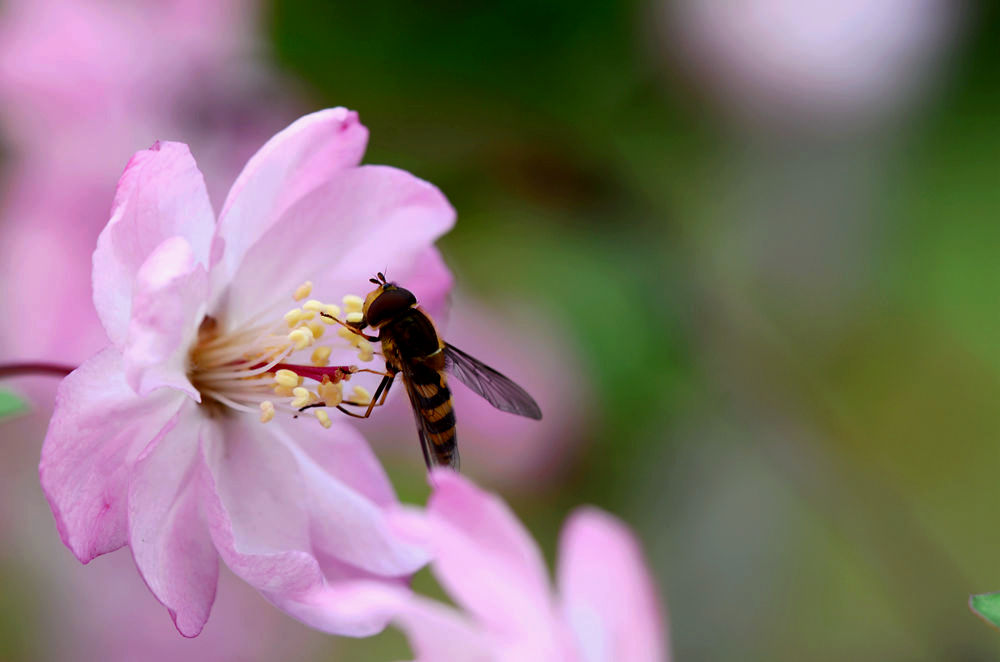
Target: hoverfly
412,347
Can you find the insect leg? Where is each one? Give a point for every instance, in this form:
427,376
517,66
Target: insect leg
348,326
375,372
382,390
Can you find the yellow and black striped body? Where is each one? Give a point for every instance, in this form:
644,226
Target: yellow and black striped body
412,348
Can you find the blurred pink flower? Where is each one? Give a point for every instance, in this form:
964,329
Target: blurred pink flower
82,84
155,442
110,67
811,61
497,447
605,608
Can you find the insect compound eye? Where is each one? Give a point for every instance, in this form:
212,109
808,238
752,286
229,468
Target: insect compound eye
389,303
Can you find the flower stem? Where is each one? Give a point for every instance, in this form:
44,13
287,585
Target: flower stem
30,368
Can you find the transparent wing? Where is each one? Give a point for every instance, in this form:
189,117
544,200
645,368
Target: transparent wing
498,390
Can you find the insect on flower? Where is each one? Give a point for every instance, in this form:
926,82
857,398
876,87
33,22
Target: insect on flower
412,347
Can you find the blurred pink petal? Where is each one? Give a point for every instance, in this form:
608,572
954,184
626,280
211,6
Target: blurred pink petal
280,515
489,565
98,428
468,528
608,595
437,633
76,106
171,547
160,195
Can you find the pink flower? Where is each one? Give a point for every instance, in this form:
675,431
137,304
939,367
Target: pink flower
605,608
75,107
164,441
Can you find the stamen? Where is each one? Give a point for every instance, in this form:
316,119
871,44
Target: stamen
303,290
353,303
331,393
324,418
285,377
302,397
332,311
266,411
314,305
301,338
360,395
317,329
321,355
257,368
366,352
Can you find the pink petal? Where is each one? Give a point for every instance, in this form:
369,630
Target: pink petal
608,595
359,222
344,455
345,523
290,165
98,428
485,558
169,541
160,195
168,304
275,516
356,608
438,633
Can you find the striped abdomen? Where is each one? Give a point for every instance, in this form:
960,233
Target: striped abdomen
431,399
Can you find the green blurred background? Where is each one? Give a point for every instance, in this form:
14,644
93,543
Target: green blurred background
793,340
789,326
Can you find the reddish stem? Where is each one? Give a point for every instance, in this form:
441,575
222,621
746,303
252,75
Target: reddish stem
28,369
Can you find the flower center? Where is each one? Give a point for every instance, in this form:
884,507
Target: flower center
279,365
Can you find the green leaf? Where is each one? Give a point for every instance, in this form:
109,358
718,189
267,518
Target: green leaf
987,607
11,404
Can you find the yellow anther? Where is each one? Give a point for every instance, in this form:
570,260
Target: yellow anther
355,317
286,378
314,305
353,303
308,314
303,290
316,328
331,310
321,355
361,395
302,397
332,394
301,338
348,335
283,391
323,418
293,317
366,352
266,411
